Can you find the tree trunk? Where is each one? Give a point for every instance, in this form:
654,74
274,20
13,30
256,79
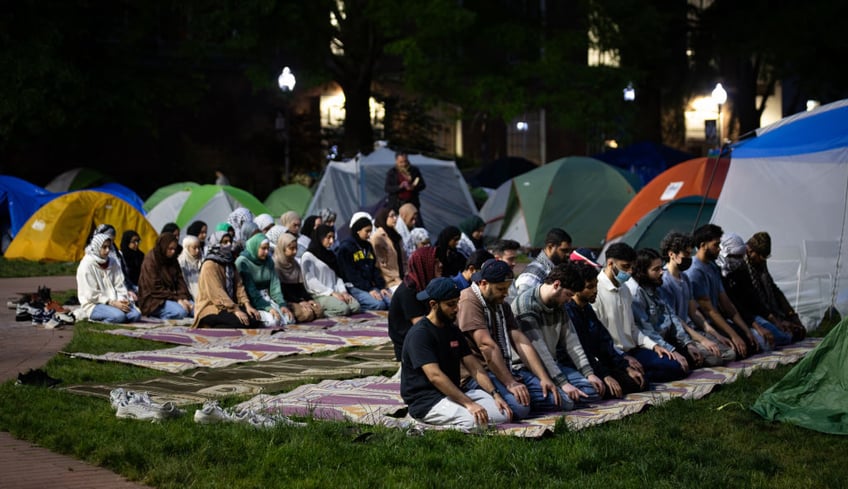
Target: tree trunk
358,133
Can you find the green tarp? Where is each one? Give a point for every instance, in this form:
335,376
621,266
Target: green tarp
814,394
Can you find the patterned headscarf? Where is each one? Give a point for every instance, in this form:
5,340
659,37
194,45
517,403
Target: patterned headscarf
273,235
237,218
422,268
327,215
93,248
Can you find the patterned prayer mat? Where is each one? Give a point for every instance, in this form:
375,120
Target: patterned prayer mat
377,401
254,378
217,348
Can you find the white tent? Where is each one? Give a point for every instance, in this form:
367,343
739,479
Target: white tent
350,186
791,180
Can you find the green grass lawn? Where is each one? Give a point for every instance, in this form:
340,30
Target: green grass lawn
26,268
713,442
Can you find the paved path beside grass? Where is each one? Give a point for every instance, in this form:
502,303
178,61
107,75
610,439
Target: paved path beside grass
24,465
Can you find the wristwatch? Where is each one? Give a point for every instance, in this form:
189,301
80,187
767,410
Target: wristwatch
494,391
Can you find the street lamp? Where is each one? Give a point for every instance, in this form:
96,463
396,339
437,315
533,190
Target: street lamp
286,83
629,93
719,96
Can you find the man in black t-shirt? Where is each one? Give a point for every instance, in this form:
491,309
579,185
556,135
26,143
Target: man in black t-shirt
430,373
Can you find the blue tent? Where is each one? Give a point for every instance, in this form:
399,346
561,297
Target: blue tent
19,199
645,159
791,180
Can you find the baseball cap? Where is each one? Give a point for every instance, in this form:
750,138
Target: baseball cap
494,271
439,289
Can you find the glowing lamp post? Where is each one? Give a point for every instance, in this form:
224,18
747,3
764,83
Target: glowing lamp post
286,83
719,96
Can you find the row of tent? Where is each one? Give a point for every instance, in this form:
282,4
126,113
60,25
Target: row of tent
790,179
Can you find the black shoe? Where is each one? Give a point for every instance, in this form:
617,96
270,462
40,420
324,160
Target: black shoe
44,294
38,378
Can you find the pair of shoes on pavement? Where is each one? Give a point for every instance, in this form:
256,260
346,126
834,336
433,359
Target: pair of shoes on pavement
135,405
38,378
212,413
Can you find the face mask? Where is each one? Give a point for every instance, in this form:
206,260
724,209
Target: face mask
685,263
733,264
621,276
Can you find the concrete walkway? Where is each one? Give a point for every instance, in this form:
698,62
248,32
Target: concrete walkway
24,465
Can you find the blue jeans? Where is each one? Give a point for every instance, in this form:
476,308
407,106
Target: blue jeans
367,302
781,338
657,369
537,401
577,379
170,310
109,314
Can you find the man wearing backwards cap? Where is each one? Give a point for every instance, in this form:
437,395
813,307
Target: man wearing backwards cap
430,374
496,339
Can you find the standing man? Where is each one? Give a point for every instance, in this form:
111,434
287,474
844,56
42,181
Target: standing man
495,338
557,249
403,184
430,377
540,312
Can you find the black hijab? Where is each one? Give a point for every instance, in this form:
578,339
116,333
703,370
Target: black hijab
132,257
323,254
452,260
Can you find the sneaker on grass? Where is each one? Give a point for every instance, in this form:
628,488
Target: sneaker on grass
212,413
152,412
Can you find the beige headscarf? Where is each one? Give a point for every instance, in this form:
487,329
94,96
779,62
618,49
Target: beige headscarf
288,217
406,211
288,269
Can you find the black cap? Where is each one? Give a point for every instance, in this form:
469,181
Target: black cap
439,289
494,271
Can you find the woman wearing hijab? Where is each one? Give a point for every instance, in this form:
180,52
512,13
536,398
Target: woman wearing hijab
199,229
452,260
190,260
359,266
273,236
291,221
418,238
328,217
261,282
133,258
306,230
388,248
472,235
405,309
322,275
304,307
222,301
101,291
236,220
408,213
162,291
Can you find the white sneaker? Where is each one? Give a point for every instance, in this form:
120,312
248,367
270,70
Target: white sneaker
140,411
117,397
212,413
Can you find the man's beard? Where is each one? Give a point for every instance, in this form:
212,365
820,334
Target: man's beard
443,318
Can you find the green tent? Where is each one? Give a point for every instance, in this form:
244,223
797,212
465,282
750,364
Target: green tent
683,215
814,394
579,194
163,192
208,203
77,179
292,197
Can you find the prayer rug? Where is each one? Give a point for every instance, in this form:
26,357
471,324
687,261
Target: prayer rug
376,400
217,348
251,379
